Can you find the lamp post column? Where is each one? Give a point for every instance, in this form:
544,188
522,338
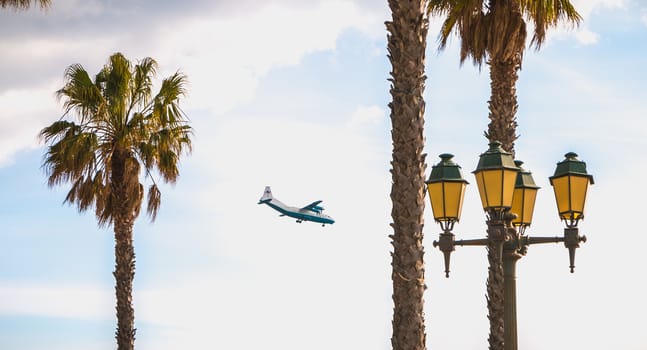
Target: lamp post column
511,255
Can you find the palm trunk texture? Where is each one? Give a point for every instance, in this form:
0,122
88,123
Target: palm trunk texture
503,102
124,251
495,293
406,45
124,274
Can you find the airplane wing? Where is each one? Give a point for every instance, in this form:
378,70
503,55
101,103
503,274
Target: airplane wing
313,206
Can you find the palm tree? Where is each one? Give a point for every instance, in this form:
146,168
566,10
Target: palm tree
406,44
111,128
494,31
23,4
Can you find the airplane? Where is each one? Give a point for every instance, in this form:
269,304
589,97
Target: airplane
311,212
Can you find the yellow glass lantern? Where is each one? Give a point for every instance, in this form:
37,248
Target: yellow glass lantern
496,175
570,183
523,199
446,188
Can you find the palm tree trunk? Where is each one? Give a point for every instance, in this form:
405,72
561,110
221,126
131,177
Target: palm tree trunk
124,219
495,285
124,274
503,101
406,45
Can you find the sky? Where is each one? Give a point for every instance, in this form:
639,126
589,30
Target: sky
293,94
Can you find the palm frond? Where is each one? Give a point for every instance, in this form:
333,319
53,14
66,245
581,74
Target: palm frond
86,192
24,4
142,83
163,149
80,93
57,130
547,14
466,19
147,153
154,201
506,31
104,208
70,157
114,81
167,166
165,104
497,28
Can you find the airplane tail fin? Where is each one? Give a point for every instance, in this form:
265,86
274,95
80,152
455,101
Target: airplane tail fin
267,195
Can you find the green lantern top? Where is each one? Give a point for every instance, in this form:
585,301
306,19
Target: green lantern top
496,158
446,170
524,177
571,166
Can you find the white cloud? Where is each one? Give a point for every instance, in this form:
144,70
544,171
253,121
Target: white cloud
76,8
586,8
83,302
226,58
586,37
363,115
296,304
24,113
644,17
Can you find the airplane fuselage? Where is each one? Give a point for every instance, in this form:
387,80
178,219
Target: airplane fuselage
298,213
311,212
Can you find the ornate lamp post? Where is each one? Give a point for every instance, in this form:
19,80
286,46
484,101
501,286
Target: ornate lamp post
508,194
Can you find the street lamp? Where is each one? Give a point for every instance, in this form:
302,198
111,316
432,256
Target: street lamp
523,199
495,175
508,194
570,183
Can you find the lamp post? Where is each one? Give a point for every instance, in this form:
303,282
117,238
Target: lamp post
508,194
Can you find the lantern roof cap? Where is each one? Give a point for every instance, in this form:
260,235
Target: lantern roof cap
571,166
496,158
524,177
446,170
